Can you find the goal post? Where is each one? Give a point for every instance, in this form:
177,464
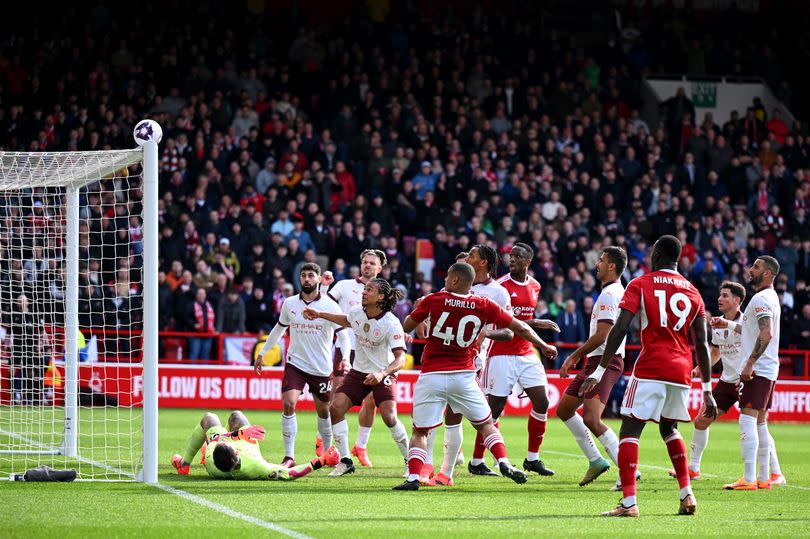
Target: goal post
79,312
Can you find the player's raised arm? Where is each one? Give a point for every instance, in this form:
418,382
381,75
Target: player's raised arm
339,319
614,340
420,313
522,329
704,363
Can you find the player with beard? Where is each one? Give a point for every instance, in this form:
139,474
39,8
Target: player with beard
309,357
348,293
759,368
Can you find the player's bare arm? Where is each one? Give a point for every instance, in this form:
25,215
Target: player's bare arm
704,363
714,356
374,378
614,340
409,324
762,342
543,324
339,319
503,334
719,322
272,339
521,329
593,342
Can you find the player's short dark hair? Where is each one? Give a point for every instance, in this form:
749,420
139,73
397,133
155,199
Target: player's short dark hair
489,255
770,264
617,256
374,252
668,249
735,289
225,457
310,266
525,247
463,270
462,255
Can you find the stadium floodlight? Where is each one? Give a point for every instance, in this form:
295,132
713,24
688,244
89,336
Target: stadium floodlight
78,310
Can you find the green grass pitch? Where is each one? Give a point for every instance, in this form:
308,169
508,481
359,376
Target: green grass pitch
362,504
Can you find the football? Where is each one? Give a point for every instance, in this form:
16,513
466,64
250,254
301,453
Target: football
147,131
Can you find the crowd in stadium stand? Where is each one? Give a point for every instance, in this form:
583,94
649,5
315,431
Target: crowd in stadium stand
278,152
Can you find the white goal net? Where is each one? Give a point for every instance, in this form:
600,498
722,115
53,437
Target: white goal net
72,313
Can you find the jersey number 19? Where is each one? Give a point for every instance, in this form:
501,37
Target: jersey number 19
675,301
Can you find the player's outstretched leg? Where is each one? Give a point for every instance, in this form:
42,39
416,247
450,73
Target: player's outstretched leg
182,462
749,444
494,442
700,439
453,438
537,430
677,454
567,412
365,420
628,464
340,430
476,466
416,459
428,470
777,479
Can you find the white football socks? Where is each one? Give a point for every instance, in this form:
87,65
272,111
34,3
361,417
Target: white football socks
610,442
431,437
763,453
363,434
289,428
341,433
775,468
400,437
583,437
325,430
453,438
700,438
749,443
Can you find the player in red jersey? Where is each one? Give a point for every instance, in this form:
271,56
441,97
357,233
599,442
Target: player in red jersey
670,307
448,367
514,362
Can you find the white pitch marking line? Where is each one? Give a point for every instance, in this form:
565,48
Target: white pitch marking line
230,512
185,495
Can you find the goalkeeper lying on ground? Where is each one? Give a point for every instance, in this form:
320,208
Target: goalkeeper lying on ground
235,453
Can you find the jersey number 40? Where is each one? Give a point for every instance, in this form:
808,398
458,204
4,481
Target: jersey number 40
447,333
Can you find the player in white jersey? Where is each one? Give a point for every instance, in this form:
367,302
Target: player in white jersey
726,346
484,261
309,357
379,354
759,368
349,294
609,268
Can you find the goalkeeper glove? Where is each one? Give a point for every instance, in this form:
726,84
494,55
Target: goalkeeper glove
251,433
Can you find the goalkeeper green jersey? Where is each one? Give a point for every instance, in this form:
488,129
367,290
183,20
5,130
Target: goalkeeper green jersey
252,464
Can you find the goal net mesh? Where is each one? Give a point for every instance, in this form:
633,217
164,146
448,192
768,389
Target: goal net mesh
36,225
